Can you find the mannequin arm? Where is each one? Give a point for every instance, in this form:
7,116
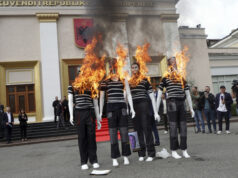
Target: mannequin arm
159,96
102,94
71,108
96,109
129,98
188,96
156,115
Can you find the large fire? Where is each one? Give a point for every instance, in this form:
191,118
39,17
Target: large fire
179,74
142,57
91,72
120,62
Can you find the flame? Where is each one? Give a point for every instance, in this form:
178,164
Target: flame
179,75
119,64
142,57
91,72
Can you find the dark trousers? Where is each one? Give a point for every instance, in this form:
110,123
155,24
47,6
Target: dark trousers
155,130
23,131
86,135
2,131
210,116
66,115
55,114
142,124
8,133
117,120
220,116
177,119
60,120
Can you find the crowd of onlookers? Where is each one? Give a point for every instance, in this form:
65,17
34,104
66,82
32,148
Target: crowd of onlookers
207,107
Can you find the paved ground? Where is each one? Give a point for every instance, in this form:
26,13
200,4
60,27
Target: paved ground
213,156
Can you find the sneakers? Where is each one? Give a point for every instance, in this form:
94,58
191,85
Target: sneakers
126,161
228,132
115,163
84,167
165,132
141,159
219,132
96,165
185,154
149,159
175,155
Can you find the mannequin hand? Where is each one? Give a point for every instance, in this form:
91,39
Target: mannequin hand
99,124
133,114
71,120
192,113
157,117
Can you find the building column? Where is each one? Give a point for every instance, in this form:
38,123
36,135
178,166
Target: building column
171,34
119,35
50,67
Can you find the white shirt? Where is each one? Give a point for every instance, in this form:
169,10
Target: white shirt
222,107
9,117
165,108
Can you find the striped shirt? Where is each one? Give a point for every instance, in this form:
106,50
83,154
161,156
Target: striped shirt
173,89
141,91
81,101
114,91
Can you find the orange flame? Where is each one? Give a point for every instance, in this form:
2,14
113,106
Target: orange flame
119,64
179,75
91,72
142,57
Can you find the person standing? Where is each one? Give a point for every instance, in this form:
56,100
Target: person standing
197,107
142,95
60,114
8,122
2,121
163,112
223,108
66,109
208,103
22,117
55,104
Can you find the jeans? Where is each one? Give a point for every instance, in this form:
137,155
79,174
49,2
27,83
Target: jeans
220,116
198,118
209,113
155,130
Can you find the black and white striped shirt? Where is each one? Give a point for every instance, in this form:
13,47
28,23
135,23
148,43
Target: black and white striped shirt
141,91
174,89
114,91
81,100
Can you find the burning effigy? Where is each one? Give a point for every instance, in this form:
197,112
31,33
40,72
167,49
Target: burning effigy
91,72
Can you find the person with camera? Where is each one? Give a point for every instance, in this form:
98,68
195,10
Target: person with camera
208,103
235,93
223,108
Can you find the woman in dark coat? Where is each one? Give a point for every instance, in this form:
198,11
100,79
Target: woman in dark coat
23,124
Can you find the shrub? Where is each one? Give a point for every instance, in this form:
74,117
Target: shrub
233,110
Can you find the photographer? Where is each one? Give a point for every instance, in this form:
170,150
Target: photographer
208,103
235,92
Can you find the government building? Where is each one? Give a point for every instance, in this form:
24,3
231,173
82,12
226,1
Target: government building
42,46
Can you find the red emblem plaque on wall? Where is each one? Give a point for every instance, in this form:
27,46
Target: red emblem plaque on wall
83,32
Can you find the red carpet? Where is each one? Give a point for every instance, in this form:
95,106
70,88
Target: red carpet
102,135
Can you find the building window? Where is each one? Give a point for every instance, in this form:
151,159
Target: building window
155,81
225,80
73,73
21,97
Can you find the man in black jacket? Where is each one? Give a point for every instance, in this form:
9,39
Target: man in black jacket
8,123
1,121
66,109
55,104
208,104
223,108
